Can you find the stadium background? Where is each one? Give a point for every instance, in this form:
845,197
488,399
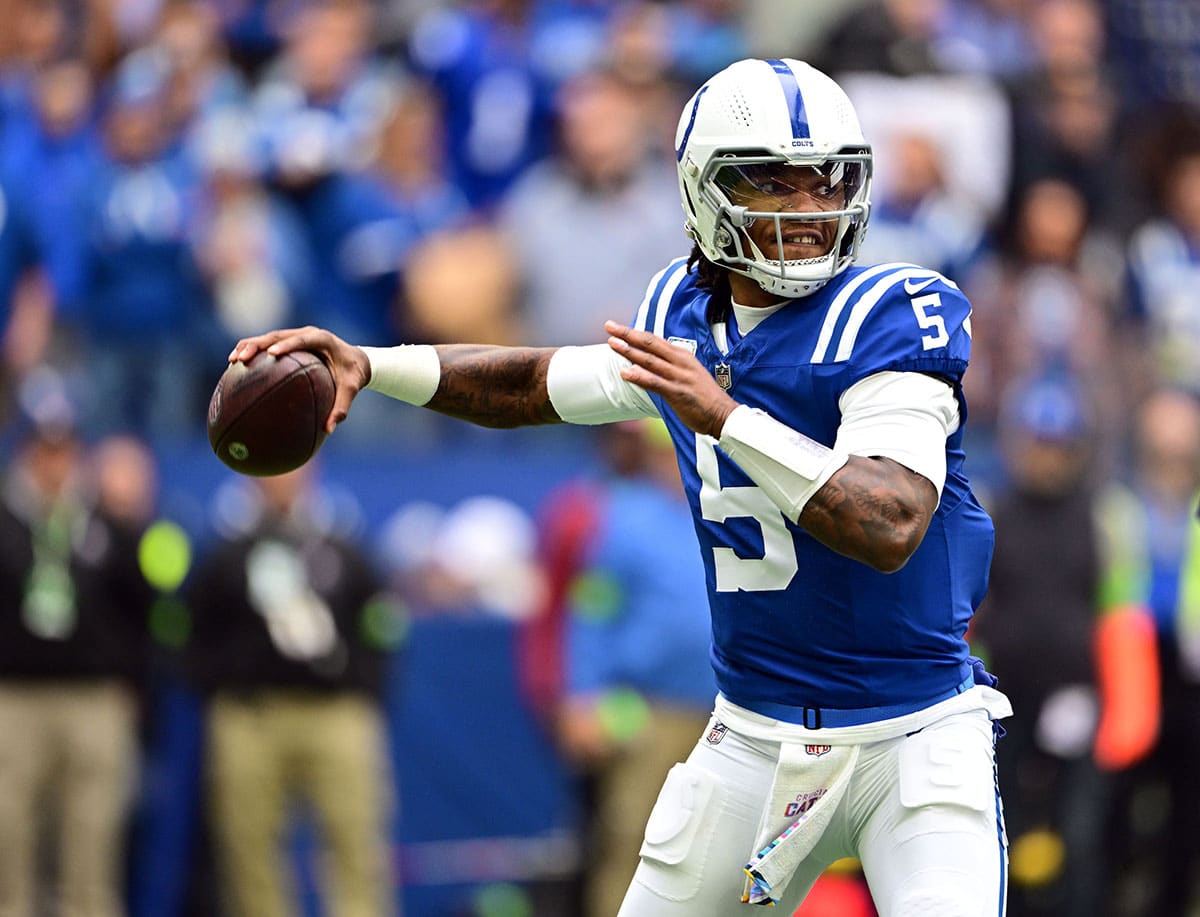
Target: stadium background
170,182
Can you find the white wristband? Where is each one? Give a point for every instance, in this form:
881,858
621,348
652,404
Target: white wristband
409,372
789,466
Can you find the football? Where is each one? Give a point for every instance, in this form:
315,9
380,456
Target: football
267,415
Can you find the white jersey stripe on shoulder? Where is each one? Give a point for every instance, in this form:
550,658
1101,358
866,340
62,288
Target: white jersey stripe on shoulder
678,272
834,312
866,302
644,308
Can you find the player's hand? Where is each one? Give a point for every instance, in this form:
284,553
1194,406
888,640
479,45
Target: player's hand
350,367
675,374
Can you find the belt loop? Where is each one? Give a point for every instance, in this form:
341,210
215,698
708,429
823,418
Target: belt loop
815,716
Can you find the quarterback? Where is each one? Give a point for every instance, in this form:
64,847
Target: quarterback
817,411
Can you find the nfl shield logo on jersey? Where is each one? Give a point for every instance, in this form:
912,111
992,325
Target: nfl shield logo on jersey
724,375
716,734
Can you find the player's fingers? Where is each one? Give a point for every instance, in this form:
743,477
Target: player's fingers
341,408
642,340
644,379
309,338
658,354
647,361
247,347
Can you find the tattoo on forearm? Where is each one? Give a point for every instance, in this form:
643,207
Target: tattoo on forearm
495,386
874,510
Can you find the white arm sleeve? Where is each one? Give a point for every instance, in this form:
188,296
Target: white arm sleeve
902,416
408,372
789,466
586,386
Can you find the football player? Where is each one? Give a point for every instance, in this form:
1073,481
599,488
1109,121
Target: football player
816,408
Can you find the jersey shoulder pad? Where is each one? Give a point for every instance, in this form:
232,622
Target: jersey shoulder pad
900,317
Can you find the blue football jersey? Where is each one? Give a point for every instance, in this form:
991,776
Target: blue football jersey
795,623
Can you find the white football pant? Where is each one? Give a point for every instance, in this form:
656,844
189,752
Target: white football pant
921,812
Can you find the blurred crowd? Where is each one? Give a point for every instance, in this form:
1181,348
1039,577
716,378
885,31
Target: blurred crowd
175,174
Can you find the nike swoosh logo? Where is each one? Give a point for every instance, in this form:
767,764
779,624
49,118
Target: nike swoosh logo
912,289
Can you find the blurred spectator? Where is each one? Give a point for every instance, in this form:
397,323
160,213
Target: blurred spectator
26,307
410,162
38,32
363,227
252,29
322,107
496,90
52,147
202,80
638,686
987,36
1153,533
1038,628
893,37
326,95
122,480
1065,112
705,36
356,237
290,642
602,178
71,653
1157,44
47,160
918,220
251,249
140,295
643,51
1164,275
1044,304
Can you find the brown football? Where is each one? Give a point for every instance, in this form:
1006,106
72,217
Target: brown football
267,415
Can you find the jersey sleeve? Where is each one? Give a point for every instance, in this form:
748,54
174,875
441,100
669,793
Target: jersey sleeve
915,321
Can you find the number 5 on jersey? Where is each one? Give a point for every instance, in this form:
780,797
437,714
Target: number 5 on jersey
922,307
775,569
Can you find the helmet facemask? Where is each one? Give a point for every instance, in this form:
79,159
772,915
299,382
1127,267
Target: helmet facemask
816,204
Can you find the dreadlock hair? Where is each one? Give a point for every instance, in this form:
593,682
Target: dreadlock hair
713,280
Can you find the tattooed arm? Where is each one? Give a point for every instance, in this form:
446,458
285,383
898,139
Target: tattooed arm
874,510
494,386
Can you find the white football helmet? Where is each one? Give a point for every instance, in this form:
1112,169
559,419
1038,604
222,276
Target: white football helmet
737,138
